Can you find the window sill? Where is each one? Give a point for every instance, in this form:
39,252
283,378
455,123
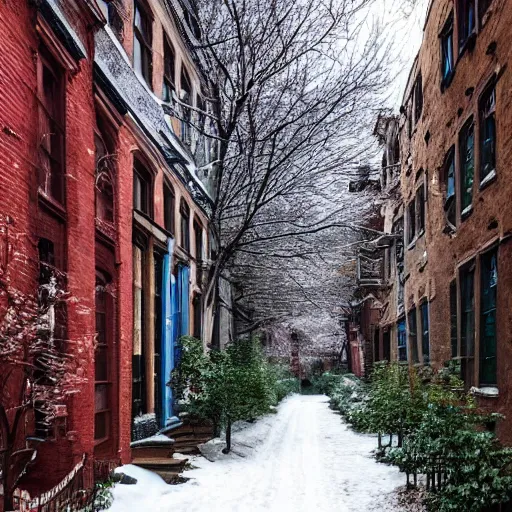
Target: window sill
468,44
464,214
412,244
485,391
51,204
490,178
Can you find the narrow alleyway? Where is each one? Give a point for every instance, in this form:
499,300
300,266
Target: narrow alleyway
301,459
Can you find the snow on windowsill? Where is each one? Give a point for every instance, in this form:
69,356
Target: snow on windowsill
490,177
465,213
485,391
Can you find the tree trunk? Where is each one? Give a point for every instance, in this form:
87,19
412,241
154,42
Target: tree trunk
228,438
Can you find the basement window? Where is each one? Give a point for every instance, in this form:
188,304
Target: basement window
142,41
488,134
467,165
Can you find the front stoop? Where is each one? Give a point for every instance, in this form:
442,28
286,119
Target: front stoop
168,468
156,454
188,435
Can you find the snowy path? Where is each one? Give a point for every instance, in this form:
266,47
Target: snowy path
302,459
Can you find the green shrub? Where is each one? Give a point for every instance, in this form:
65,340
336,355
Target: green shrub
226,386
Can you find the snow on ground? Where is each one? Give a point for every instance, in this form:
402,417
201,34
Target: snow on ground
301,459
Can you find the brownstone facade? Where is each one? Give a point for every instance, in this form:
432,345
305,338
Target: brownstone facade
455,209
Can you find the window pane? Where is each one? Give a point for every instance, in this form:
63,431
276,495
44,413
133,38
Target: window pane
467,166
488,318
402,341
413,339
101,425
453,318
101,397
468,316
137,56
100,365
425,340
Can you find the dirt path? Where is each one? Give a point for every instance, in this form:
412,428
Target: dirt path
301,459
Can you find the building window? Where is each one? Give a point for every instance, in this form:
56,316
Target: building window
142,41
467,334
197,333
139,332
110,9
51,96
420,209
104,180
483,5
453,319
402,340
186,97
467,165
449,180
104,324
447,52
198,236
489,285
466,17
185,226
142,193
488,133
411,221
413,335
425,332
418,98
169,69
169,205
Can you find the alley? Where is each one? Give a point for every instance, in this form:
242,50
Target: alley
303,458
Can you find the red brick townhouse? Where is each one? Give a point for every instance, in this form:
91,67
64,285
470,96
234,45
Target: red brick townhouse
103,178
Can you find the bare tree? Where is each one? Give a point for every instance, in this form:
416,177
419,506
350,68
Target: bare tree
38,369
291,86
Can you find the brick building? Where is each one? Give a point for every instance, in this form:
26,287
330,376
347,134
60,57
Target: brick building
103,173
454,205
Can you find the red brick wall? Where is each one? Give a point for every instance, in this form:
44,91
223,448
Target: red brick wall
444,114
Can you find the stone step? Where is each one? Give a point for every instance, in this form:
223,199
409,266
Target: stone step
167,468
153,452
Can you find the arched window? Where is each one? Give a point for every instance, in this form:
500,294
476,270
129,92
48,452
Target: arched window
104,181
